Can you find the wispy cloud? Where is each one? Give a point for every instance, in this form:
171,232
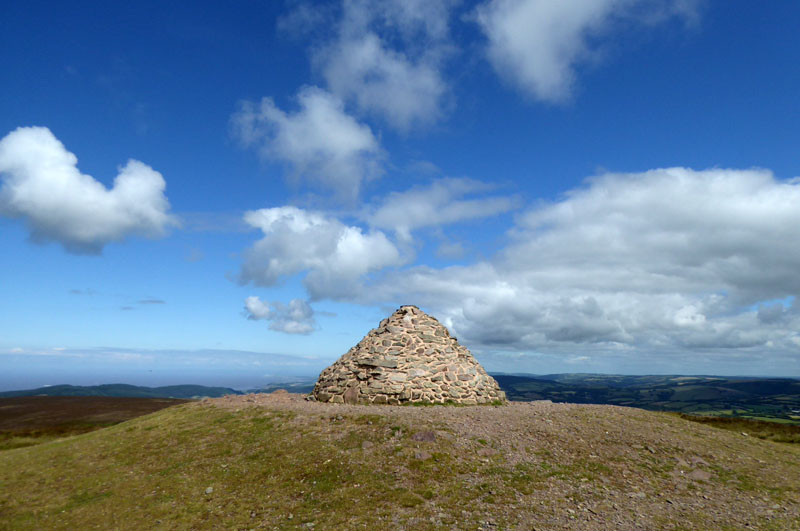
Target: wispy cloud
538,44
320,142
87,292
443,202
195,255
385,58
151,300
297,317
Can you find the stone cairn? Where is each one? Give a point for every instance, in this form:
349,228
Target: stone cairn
410,357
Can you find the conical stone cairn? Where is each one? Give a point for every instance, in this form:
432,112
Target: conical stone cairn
410,357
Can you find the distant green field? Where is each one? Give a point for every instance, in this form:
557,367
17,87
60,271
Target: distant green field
772,399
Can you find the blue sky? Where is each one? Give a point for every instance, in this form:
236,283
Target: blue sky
233,193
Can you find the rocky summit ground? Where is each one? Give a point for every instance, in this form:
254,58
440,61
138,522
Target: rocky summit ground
278,461
543,465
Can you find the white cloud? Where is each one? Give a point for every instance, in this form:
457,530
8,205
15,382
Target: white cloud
43,186
335,257
660,261
304,19
439,204
449,249
689,230
320,142
297,317
383,82
419,22
387,58
537,44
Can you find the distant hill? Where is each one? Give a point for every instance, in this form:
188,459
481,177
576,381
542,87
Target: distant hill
776,399
125,390
301,386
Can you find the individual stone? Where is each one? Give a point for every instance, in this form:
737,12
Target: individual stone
424,436
389,363
351,396
699,475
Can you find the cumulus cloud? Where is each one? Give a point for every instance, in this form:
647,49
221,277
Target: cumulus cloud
334,257
715,229
664,260
386,58
42,185
297,317
537,44
441,203
320,142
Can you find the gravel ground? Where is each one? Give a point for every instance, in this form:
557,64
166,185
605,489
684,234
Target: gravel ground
611,467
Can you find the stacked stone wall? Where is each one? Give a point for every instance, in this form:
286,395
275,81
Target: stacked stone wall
410,357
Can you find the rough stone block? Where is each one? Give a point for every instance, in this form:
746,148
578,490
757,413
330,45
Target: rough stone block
389,363
351,396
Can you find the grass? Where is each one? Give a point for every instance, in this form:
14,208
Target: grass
261,468
763,429
197,466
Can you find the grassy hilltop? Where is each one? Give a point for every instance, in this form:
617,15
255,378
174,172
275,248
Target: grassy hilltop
264,462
